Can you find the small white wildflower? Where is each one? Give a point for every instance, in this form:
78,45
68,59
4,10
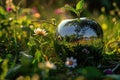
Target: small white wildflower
10,18
35,77
50,65
71,62
39,31
31,26
21,26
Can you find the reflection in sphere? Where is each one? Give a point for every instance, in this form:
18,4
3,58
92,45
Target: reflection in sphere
81,39
81,31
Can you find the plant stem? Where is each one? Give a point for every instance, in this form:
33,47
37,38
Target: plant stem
78,15
15,37
19,3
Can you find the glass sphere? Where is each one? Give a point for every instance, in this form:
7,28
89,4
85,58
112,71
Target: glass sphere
82,31
80,38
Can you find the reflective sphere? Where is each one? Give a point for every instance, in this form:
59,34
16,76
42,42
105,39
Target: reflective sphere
80,39
82,31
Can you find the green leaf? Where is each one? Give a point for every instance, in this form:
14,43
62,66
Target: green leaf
70,8
2,11
1,60
13,71
90,72
31,42
79,5
114,77
26,59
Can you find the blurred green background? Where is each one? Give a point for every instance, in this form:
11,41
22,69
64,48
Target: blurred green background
47,7
17,27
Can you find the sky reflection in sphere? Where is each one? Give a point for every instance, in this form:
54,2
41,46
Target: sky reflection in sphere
84,29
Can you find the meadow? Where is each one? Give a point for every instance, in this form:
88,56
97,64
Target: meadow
29,49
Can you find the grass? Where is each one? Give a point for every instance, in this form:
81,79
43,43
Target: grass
26,54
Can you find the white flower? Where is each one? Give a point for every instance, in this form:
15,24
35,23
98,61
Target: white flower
21,26
39,31
31,26
10,18
46,65
50,65
71,62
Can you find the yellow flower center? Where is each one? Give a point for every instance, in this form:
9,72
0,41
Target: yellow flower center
70,62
